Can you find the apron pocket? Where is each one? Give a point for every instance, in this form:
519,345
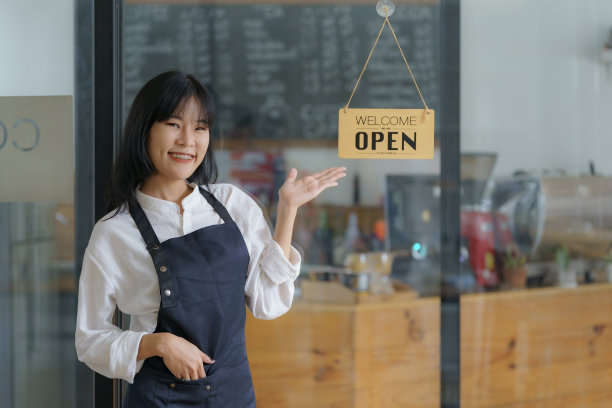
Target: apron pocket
177,393
236,387
189,393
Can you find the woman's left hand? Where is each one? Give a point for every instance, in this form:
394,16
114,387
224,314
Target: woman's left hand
294,192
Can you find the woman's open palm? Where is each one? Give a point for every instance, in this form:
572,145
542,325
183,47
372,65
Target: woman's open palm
297,192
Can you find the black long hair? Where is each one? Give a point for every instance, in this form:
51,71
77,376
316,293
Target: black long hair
159,98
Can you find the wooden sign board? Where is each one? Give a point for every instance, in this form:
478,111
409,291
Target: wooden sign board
386,133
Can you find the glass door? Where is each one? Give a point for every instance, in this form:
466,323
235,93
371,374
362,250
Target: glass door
364,328
37,223
38,303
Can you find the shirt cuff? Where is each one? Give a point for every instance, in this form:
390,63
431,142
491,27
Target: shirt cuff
277,267
125,352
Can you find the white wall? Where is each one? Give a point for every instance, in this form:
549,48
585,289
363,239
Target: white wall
37,47
533,88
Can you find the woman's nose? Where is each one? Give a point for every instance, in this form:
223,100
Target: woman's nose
186,137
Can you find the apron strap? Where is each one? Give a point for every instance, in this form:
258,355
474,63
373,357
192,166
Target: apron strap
216,205
167,288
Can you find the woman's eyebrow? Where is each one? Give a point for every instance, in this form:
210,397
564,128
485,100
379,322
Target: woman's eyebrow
178,117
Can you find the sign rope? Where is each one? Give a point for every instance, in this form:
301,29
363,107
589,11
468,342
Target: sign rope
387,22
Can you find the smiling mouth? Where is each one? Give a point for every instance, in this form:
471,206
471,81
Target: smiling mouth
181,156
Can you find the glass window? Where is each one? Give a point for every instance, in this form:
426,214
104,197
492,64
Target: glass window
365,322
535,235
37,223
537,194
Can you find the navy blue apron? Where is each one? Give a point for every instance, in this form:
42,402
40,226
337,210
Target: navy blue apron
201,281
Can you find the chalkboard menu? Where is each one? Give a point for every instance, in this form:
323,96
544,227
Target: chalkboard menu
283,71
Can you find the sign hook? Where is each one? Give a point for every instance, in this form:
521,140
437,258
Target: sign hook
385,8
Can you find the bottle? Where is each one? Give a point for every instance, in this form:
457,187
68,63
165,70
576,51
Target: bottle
322,240
356,190
351,234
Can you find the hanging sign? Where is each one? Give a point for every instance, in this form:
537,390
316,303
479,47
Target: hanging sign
386,133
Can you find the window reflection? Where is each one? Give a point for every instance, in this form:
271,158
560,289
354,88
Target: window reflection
41,295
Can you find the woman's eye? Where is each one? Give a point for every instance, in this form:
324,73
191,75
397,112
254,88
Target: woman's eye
202,128
172,124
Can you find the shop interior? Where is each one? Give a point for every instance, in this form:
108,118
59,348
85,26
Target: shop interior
534,269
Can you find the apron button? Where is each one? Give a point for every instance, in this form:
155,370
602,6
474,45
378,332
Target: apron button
167,292
208,386
172,385
155,247
163,269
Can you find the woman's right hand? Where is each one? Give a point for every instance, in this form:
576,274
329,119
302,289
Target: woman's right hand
183,359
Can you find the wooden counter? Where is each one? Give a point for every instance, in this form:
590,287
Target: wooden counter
365,355
537,348
544,348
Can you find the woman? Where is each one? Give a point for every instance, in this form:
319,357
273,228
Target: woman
181,255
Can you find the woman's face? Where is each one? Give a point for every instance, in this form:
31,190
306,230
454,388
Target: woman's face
177,146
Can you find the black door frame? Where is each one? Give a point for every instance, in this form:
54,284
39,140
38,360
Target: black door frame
98,104
450,201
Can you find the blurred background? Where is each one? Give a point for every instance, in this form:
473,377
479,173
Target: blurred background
480,278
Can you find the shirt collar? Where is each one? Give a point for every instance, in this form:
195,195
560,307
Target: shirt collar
157,204
192,200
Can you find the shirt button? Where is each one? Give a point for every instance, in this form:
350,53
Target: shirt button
155,247
167,292
163,269
208,386
172,385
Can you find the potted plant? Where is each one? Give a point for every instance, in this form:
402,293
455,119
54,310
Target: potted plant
608,262
514,269
567,277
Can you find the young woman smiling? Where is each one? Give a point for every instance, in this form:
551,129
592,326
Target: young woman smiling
181,255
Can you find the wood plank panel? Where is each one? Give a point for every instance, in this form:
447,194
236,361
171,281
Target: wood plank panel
535,344
595,399
397,355
302,359
302,329
402,378
302,379
410,323
356,356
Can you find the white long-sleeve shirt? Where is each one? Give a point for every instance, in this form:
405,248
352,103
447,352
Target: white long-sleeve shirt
119,272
